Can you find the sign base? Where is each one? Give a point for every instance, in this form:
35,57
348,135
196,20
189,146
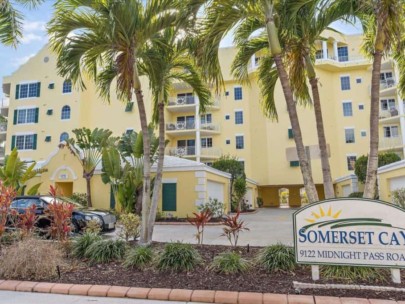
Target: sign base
396,276
315,272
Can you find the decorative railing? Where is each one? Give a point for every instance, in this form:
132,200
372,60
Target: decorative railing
388,113
387,83
180,126
3,127
181,101
210,127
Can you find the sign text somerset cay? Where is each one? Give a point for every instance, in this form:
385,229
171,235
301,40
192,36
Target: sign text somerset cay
350,232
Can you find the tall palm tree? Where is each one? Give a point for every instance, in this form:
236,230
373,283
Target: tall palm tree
88,149
103,38
383,24
11,20
166,61
224,15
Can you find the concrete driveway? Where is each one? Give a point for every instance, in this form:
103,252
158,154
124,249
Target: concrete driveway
266,227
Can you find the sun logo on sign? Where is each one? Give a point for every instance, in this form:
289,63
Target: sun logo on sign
322,215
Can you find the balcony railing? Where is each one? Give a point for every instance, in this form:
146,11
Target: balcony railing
191,151
180,126
210,127
3,127
211,152
388,113
182,101
387,83
2,152
390,142
342,59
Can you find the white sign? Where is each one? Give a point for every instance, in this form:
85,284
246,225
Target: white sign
356,232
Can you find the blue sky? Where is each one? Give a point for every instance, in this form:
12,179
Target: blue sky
35,38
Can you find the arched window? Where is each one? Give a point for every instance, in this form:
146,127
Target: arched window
67,87
64,137
65,113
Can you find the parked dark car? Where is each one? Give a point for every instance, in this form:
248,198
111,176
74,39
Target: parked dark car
80,215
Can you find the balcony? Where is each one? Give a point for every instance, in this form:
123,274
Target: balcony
389,116
3,131
180,128
209,129
389,143
388,87
334,63
215,105
2,155
181,104
190,152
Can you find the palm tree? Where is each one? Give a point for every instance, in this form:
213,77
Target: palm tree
11,20
383,24
166,61
87,148
224,15
103,38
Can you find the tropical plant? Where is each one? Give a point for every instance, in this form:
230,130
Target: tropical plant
105,251
360,166
383,26
93,226
356,194
26,221
130,226
398,197
79,198
80,244
16,173
353,274
110,35
7,194
216,207
165,61
233,226
178,257
229,263
11,20
87,148
239,191
276,258
199,221
138,257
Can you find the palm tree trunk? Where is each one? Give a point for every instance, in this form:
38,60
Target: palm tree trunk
159,171
275,50
372,165
146,157
88,189
326,172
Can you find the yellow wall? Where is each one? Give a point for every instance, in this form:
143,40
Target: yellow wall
384,182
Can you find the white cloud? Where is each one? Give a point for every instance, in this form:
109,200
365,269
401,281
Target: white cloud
34,26
21,60
30,37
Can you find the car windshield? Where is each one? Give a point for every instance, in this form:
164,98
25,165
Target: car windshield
24,203
51,200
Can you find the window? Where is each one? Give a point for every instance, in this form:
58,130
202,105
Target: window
345,83
206,142
64,137
349,135
65,113
347,108
27,90
48,138
238,93
24,142
387,104
361,107
67,87
24,116
319,54
343,53
227,93
185,98
239,142
294,163
238,117
129,131
129,106
206,118
359,80
363,133
49,112
351,160
385,75
290,133
391,131
228,141
227,117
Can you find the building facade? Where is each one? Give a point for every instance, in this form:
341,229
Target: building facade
44,108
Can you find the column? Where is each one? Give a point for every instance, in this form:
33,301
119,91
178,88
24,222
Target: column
325,49
197,121
253,63
335,50
401,112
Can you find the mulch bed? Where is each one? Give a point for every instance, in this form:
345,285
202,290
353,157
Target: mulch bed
201,278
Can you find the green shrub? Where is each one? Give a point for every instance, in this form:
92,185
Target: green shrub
105,251
356,194
138,257
93,226
353,274
79,198
216,207
229,263
178,257
276,258
259,201
398,197
81,244
130,223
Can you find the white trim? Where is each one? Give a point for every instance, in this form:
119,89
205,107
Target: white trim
351,154
239,134
349,128
23,133
344,75
347,101
194,168
238,110
393,166
252,181
169,180
64,167
27,82
345,178
25,108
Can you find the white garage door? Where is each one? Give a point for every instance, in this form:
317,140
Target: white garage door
346,190
397,183
216,190
249,197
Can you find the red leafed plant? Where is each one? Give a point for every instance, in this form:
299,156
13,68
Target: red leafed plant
233,226
26,221
60,214
7,194
199,220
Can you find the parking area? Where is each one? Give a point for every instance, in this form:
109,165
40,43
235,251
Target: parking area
266,227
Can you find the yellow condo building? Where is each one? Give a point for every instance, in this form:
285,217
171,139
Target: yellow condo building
44,108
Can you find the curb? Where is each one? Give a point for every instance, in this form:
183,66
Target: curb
181,295
185,224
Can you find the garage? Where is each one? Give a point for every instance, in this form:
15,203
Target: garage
397,183
347,189
216,190
249,198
